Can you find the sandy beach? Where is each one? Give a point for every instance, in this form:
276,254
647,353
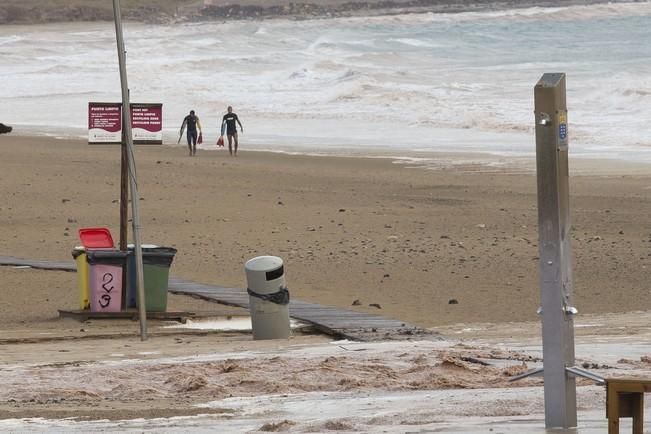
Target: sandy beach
389,161
407,238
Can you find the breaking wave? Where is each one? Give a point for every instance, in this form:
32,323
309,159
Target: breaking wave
471,71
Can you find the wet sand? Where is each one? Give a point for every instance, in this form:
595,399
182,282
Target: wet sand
407,238
308,384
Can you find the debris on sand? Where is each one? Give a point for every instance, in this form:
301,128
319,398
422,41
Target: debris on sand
335,425
277,427
5,129
189,383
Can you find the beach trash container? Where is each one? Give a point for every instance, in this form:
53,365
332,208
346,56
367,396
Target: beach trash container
79,254
156,262
91,238
268,297
105,279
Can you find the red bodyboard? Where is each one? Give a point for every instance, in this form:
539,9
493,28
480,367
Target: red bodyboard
220,141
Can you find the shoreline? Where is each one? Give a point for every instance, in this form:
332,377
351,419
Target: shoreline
20,12
461,160
352,103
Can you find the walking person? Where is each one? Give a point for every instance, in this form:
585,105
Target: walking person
231,129
191,122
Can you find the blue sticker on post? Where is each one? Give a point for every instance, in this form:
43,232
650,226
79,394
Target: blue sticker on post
562,126
562,131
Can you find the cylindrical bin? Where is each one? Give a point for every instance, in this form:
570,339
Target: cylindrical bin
268,298
156,263
105,272
79,254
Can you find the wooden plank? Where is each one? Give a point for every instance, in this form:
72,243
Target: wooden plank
40,265
84,315
332,320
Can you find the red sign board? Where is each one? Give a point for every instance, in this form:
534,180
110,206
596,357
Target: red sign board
147,123
105,123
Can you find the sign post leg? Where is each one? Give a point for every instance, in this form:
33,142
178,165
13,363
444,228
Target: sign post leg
135,196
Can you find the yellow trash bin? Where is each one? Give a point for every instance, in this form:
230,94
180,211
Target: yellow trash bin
79,253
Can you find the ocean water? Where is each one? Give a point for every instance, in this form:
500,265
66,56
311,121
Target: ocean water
400,84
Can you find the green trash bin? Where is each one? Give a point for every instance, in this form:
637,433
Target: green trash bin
156,262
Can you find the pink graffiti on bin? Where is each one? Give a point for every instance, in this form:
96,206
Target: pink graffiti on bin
105,288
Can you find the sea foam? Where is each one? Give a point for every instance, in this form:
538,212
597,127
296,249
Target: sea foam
408,82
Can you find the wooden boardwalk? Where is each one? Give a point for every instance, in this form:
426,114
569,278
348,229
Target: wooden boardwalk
39,265
334,321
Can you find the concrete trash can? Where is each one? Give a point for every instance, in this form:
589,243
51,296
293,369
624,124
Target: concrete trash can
105,279
156,263
268,298
79,255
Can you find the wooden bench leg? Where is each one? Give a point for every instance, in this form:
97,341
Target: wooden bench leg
637,402
612,409
630,404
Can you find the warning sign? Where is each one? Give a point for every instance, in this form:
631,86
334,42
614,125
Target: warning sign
105,123
147,124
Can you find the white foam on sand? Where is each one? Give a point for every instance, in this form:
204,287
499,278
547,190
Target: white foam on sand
241,323
507,411
384,407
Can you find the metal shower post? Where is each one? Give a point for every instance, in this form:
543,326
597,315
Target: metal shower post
554,248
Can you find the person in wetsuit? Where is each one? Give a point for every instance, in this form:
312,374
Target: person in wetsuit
191,122
231,129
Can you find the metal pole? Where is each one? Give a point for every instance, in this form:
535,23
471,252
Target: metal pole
554,248
124,212
124,193
135,197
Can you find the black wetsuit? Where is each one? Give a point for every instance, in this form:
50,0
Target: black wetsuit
191,125
230,119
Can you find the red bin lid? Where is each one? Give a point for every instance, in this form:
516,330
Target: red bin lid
96,238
